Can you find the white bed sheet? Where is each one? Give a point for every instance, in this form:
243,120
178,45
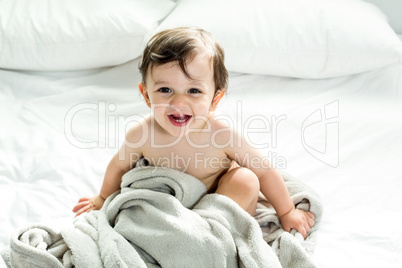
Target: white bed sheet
59,130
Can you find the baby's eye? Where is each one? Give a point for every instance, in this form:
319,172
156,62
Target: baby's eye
165,90
194,90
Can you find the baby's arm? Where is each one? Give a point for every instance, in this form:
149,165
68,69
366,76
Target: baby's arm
272,186
274,189
111,183
121,162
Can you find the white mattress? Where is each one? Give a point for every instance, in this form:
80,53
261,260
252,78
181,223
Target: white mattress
59,130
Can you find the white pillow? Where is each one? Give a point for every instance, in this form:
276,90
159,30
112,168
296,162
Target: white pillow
294,38
75,34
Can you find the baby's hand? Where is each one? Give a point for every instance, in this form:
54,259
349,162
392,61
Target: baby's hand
87,204
297,219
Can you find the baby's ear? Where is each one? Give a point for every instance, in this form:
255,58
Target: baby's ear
144,93
218,96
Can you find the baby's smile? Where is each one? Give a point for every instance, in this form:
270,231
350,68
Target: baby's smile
179,120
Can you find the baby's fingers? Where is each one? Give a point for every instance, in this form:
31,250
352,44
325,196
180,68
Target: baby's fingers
303,228
303,232
310,219
311,215
87,208
80,205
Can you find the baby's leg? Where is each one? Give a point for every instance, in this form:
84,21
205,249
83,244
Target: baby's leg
242,186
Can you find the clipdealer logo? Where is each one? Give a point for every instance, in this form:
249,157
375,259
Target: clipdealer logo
320,134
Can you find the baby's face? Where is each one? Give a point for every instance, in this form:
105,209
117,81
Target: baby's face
181,105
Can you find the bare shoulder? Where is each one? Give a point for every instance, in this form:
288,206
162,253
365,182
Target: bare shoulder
139,131
219,121
231,140
132,149
223,131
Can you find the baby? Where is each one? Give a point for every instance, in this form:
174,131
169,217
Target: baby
183,80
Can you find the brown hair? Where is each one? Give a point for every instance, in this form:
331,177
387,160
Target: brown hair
180,45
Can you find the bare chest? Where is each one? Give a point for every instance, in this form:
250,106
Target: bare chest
206,164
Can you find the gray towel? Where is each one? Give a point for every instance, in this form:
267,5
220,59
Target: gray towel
164,218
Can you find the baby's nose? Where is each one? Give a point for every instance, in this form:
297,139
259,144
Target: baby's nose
179,102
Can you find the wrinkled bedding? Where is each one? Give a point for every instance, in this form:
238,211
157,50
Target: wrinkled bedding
340,136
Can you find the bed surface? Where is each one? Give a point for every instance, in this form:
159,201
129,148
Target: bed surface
59,130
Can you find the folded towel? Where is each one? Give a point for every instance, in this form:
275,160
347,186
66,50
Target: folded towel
164,218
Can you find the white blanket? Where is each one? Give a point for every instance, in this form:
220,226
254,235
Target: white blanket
163,217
